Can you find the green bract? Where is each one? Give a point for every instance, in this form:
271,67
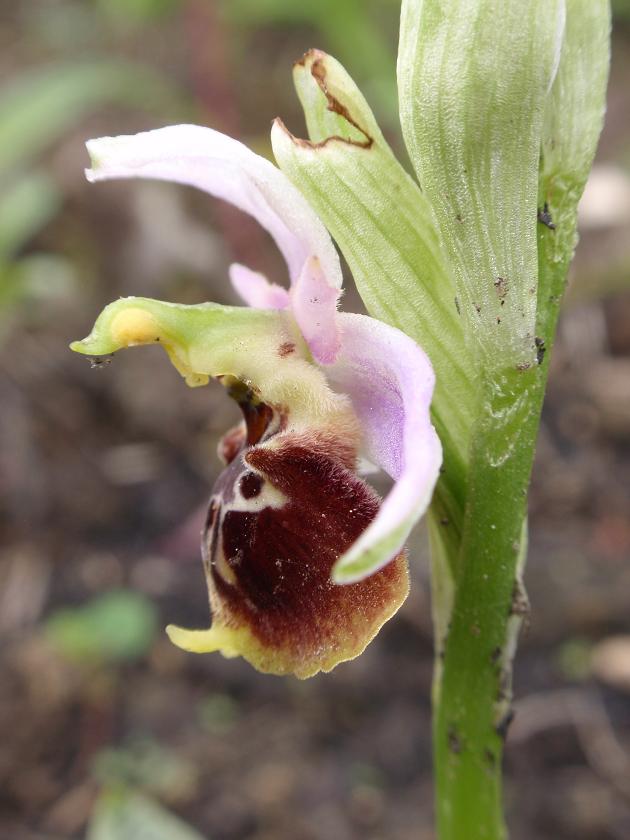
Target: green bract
473,79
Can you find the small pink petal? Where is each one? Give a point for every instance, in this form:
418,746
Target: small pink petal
254,288
314,303
211,161
389,380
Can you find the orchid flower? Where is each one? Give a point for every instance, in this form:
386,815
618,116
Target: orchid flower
303,562
500,113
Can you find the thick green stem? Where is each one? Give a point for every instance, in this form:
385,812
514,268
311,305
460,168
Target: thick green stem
473,674
473,698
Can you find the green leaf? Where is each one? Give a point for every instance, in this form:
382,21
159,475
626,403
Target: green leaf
442,551
144,763
34,278
120,815
26,205
473,80
574,117
117,627
40,106
574,113
135,13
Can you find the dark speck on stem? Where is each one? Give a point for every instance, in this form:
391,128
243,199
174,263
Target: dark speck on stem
504,724
454,742
520,602
544,217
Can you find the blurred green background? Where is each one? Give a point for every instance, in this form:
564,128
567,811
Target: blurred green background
110,733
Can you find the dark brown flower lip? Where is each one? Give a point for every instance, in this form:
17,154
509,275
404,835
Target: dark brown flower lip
269,565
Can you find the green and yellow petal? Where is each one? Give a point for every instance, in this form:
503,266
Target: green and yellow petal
288,504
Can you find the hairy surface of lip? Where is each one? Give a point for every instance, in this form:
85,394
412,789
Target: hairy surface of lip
281,514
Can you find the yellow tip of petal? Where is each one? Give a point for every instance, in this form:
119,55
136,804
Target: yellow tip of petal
134,326
216,638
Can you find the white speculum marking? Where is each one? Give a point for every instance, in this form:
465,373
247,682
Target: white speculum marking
268,497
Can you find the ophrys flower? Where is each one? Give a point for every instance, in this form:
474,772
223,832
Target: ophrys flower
289,519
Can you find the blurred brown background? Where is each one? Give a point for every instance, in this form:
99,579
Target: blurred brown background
107,730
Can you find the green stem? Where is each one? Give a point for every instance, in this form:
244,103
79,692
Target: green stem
471,701
473,675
